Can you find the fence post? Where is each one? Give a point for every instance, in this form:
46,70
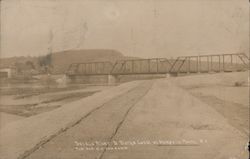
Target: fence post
208,69
211,64
223,62
199,64
219,63
189,60
149,65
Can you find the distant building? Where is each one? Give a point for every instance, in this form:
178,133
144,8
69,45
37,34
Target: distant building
7,72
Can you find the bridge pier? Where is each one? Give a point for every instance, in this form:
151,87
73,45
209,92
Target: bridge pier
112,79
168,75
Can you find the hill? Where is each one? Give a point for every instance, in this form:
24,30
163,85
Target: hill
62,60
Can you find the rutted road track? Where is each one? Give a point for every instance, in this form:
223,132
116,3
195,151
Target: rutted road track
100,125
21,138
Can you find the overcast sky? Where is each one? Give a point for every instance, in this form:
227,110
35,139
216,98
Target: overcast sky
144,28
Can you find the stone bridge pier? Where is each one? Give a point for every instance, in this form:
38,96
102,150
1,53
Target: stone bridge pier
112,79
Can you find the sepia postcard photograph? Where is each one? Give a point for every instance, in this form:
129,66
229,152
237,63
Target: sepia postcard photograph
124,79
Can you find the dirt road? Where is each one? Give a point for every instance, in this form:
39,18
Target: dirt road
155,120
24,136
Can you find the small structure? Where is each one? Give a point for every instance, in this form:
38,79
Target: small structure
7,72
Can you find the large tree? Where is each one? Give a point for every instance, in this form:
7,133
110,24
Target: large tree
45,62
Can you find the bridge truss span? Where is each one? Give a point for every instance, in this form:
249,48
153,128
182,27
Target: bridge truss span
182,64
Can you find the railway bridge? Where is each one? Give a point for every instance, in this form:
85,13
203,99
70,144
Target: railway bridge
111,71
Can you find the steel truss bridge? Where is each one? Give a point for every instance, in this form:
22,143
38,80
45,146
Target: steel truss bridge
183,64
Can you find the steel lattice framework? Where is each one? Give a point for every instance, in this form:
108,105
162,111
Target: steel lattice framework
183,64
